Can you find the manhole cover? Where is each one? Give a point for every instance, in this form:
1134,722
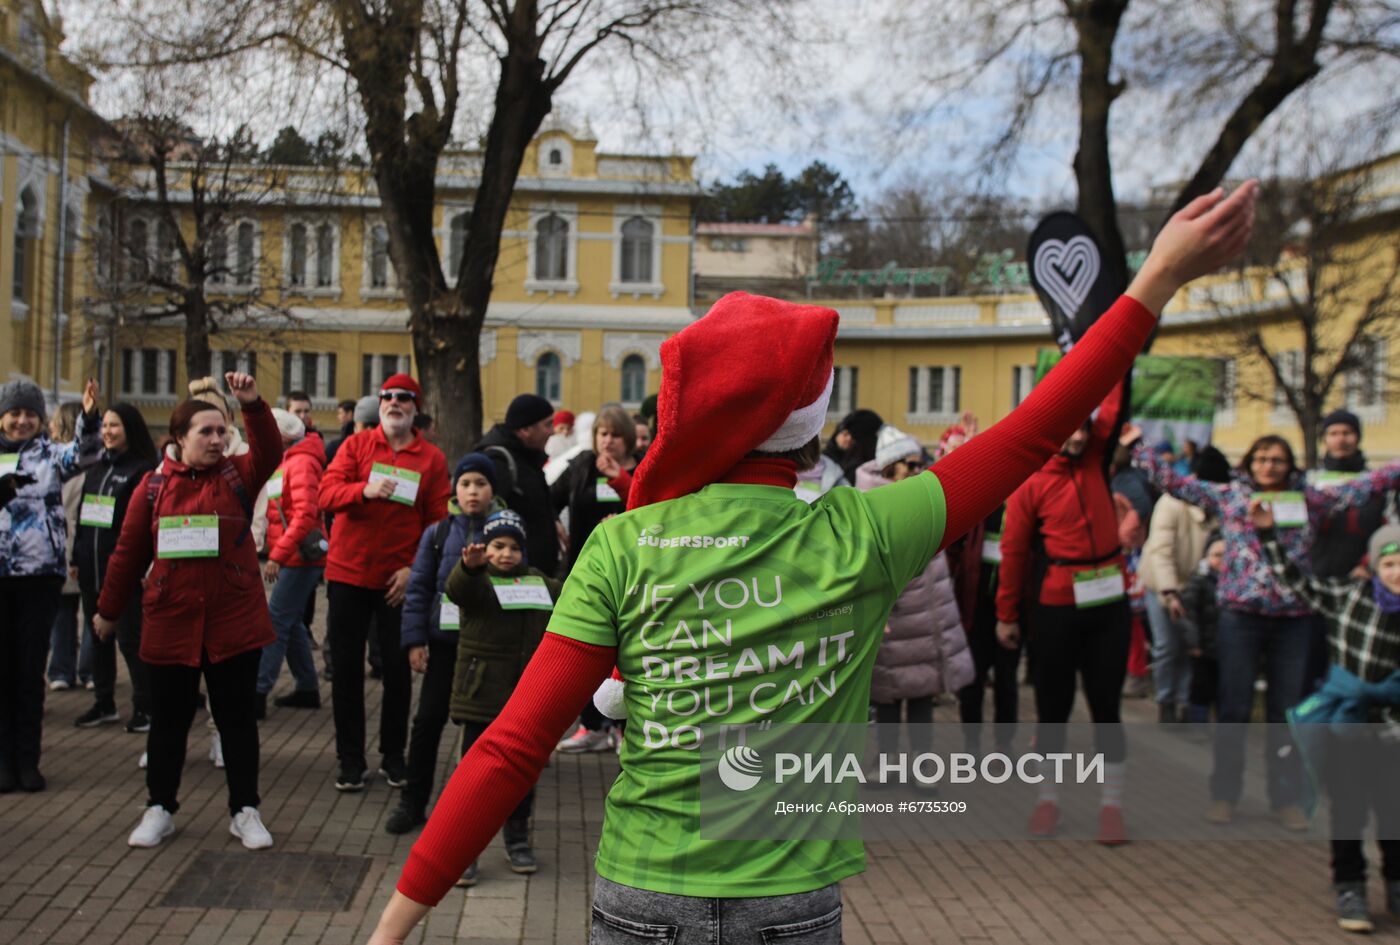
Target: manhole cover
305,882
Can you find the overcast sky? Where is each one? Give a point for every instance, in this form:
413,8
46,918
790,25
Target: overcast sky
856,92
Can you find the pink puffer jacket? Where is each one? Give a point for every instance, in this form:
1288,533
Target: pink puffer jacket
924,652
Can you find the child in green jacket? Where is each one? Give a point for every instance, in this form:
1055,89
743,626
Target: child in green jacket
503,607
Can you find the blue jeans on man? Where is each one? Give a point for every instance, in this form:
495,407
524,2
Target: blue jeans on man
287,606
1246,643
1171,662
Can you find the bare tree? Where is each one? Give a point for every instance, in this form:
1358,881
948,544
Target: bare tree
1192,61
412,64
1327,267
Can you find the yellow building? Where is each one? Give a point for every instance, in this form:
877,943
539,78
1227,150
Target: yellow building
47,179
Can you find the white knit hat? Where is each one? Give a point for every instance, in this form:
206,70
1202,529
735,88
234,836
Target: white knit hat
289,424
891,444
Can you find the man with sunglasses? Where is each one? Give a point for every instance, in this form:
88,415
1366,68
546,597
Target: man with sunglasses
386,486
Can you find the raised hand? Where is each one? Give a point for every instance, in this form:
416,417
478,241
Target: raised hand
1199,238
242,386
1129,434
90,393
474,556
608,465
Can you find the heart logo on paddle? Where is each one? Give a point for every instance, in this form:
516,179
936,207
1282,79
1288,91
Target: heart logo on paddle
1066,270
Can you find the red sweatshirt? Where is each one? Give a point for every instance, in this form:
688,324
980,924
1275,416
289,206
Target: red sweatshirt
1067,501
506,761
370,540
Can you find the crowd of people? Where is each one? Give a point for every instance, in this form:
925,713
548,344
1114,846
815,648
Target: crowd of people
501,580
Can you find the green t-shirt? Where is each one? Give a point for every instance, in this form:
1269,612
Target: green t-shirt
736,605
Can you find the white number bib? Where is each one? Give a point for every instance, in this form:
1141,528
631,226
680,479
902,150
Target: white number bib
405,482
99,511
449,616
1098,586
1290,509
274,485
605,492
188,536
9,464
991,548
808,492
525,593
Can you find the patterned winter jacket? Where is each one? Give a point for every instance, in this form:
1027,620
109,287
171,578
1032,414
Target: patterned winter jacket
33,527
1247,583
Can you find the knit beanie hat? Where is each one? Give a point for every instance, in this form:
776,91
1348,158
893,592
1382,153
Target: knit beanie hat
892,444
22,394
367,410
1345,417
1384,541
754,374
207,390
563,416
402,382
288,424
475,462
526,410
504,524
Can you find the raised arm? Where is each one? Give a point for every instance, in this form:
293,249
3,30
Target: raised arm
978,477
1189,489
1350,495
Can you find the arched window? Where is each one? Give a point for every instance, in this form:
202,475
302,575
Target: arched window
634,379
26,228
217,257
165,251
457,243
637,236
296,252
551,249
556,157
243,271
549,377
137,237
325,256
379,257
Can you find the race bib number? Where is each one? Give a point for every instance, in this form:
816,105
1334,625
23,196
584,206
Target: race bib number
1290,509
450,616
274,485
605,492
1098,586
524,593
405,482
991,548
808,492
99,511
188,536
9,463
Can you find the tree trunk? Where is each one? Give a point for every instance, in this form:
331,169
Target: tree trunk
1096,23
197,357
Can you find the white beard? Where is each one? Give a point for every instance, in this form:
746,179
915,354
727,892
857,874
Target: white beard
396,426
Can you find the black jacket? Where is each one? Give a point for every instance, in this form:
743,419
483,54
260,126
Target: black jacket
115,476
1202,613
577,491
1339,543
520,482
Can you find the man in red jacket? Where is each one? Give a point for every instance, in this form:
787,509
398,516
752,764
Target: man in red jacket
1080,621
386,485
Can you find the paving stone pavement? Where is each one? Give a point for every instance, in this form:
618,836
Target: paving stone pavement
67,876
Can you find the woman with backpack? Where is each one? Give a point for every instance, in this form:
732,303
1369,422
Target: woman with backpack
203,609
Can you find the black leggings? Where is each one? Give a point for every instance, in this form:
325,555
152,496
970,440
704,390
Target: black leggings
990,657
1091,644
920,719
1363,775
352,611
233,687
27,608
104,656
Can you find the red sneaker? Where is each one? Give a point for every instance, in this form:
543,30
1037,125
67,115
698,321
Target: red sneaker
1045,819
1112,831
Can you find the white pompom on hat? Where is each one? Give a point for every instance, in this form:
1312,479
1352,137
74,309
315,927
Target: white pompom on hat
893,444
288,424
611,697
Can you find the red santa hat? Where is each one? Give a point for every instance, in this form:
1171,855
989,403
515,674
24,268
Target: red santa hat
402,382
753,374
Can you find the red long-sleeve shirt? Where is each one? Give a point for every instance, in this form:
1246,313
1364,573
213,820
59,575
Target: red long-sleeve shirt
506,761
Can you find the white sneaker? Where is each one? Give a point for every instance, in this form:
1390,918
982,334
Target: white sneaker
583,740
216,751
247,826
156,824
58,685
142,763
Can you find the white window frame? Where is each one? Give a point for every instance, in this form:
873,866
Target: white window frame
1372,411
565,168
230,284
22,233
309,288
450,212
391,276
630,403
385,367
323,397
131,386
950,377
569,284
845,391
245,362
1022,383
559,360
652,214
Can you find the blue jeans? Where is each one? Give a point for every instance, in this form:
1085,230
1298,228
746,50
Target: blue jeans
1281,645
287,604
1171,663
63,642
625,915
